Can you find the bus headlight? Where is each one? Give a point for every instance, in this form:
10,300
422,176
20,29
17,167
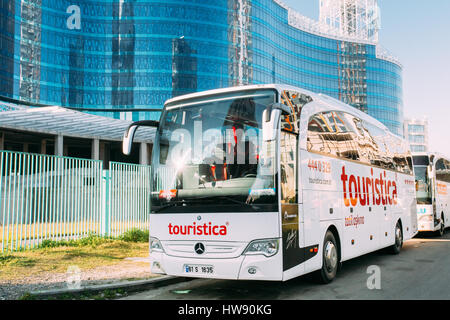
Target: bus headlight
267,247
155,245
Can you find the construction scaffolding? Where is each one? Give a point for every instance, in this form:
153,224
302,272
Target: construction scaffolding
358,19
352,74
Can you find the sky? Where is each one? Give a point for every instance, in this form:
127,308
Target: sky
417,32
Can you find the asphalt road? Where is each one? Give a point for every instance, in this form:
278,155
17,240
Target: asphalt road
420,271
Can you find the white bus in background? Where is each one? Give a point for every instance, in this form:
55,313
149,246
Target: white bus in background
432,172
270,182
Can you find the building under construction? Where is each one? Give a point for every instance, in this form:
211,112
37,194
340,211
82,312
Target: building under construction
123,59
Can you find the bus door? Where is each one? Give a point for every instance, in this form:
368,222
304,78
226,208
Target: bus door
442,173
431,172
292,234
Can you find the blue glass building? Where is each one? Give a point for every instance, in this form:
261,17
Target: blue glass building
119,55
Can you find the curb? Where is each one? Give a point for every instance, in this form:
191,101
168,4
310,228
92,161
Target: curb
130,286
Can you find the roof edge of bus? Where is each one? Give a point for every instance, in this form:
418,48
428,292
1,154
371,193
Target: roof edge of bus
421,153
431,153
237,88
318,97
330,101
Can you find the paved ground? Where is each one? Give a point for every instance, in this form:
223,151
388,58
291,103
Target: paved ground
421,271
129,269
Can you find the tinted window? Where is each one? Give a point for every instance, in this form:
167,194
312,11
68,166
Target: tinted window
381,155
423,186
295,101
321,135
336,134
288,165
443,170
421,160
347,143
346,136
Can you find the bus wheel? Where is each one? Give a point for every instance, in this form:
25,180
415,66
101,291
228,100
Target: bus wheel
330,259
397,246
442,228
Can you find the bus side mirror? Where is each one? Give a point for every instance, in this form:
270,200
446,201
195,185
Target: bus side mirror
271,120
128,139
128,136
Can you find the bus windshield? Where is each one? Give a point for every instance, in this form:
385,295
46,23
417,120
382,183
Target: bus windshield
209,156
423,185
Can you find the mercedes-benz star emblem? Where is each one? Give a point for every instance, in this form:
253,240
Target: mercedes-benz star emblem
199,248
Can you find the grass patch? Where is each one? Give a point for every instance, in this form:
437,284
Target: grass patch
11,260
28,296
135,235
15,236
85,253
91,240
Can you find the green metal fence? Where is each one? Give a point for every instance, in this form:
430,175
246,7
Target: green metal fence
129,197
49,197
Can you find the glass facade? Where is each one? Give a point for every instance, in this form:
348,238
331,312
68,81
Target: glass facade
416,138
116,55
418,148
416,133
416,128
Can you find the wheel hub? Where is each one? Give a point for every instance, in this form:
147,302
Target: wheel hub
398,236
330,256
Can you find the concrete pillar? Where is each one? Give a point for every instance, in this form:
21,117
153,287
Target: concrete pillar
104,154
143,153
2,141
43,146
95,149
59,145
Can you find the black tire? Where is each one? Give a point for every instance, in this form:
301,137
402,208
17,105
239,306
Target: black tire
441,230
330,260
397,246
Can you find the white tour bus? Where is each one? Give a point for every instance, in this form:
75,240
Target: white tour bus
271,182
432,172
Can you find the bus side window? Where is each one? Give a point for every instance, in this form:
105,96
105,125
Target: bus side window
364,140
388,157
380,155
447,171
407,163
371,150
329,137
295,101
316,128
402,157
440,168
321,135
288,165
443,170
347,146
410,162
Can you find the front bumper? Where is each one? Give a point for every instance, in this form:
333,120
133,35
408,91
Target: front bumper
427,226
243,267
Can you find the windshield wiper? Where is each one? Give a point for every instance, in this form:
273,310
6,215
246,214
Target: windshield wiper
174,204
186,201
165,206
239,202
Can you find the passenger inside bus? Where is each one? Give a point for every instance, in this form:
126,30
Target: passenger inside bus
237,157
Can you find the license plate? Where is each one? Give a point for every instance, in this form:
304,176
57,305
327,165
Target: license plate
198,269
